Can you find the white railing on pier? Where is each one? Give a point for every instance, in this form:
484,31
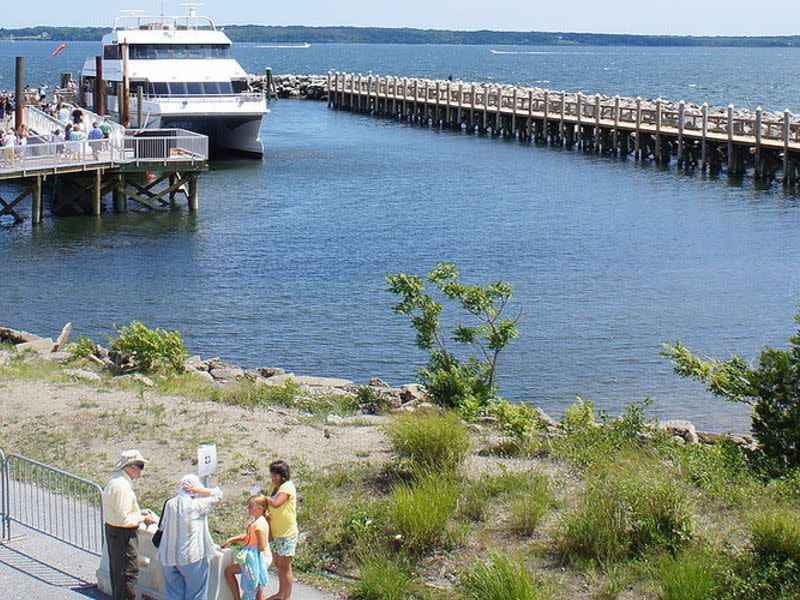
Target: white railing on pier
134,147
165,145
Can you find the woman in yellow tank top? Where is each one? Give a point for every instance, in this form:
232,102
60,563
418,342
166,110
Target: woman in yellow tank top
283,526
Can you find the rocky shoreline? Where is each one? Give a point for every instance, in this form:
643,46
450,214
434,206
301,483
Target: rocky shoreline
405,398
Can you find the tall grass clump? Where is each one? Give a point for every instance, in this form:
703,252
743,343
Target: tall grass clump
502,578
528,508
776,535
152,349
419,513
692,575
249,394
622,518
384,576
430,442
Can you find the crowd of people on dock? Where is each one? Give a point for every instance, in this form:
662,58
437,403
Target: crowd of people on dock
76,140
183,541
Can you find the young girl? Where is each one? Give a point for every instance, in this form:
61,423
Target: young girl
283,520
252,562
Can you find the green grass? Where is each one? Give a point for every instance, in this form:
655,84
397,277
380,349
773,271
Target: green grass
692,575
528,508
775,535
419,513
385,576
502,578
623,517
430,442
19,369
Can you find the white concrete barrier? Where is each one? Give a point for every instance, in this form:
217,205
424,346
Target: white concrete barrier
151,579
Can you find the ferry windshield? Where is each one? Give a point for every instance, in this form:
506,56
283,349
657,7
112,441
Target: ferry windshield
200,88
172,51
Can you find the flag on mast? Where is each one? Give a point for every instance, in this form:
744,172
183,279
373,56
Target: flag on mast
59,50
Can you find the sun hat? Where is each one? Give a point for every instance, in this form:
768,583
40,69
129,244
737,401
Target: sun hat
129,457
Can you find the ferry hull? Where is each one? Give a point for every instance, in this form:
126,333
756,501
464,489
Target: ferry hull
227,136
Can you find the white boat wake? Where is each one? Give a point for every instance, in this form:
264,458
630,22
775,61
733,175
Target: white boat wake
287,46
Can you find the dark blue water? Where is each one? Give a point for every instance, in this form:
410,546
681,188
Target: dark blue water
284,264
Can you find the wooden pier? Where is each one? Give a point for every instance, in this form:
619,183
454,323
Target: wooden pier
763,144
149,168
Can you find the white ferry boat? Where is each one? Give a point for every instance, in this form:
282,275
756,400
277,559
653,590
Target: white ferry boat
188,76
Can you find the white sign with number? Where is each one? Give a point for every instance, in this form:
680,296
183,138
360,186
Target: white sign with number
206,460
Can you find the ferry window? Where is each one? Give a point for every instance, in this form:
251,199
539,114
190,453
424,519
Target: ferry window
225,87
180,52
160,89
195,52
112,52
195,89
210,88
163,52
177,89
143,51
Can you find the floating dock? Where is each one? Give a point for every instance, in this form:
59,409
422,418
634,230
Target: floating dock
715,139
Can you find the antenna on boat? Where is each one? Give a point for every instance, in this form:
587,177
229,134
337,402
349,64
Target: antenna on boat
192,8
162,11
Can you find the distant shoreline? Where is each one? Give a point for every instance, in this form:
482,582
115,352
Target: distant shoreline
380,35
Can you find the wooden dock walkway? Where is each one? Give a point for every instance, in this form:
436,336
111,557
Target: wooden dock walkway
148,167
740,142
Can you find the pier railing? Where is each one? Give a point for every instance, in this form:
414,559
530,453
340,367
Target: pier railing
768,128
134,147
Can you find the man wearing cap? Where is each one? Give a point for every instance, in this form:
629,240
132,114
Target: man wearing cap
123,517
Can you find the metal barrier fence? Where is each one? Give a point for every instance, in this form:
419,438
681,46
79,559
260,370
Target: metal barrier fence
52,502
5,525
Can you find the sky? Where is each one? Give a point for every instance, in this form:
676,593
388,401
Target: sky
674,17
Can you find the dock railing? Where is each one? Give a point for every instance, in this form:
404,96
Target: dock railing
771,128
165,145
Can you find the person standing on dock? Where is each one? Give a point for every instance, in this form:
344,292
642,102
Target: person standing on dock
122,520
96,140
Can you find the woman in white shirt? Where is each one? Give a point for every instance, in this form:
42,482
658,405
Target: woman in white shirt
186,545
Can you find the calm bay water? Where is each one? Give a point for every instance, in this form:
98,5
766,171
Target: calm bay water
284,264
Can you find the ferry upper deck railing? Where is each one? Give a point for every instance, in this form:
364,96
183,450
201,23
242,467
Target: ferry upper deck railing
136,22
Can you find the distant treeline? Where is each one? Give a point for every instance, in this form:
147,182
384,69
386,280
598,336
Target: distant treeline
379,35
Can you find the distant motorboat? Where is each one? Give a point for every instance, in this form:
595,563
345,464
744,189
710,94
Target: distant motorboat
288,46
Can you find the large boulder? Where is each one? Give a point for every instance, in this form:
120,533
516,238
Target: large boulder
82,375
413,393
227,373
42,347
63,339
682,429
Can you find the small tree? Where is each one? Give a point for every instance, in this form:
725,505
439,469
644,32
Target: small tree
772,389
471,383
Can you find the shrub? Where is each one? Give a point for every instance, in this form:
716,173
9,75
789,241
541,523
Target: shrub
692,575
501,578
83,348
471,384
152,349
520,421
721,470
430,441
479,495
384,576
776,535
579,416
623,518
528,508
419,513
589,438
770,388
